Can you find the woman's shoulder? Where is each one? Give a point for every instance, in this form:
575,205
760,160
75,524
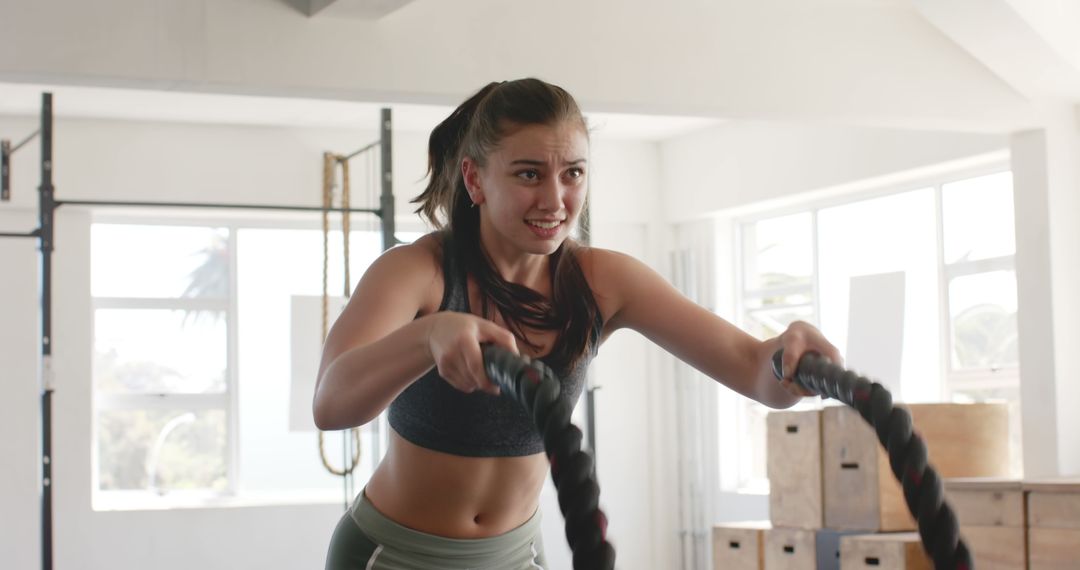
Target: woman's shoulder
423,254
430,245
415,267
604,264
608,273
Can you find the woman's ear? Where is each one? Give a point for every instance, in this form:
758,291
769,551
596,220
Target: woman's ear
470,173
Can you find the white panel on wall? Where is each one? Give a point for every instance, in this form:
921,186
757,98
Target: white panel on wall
876,327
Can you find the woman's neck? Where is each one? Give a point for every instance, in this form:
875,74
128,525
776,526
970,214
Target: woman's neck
514,265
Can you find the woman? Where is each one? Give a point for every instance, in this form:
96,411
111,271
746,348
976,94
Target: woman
460,483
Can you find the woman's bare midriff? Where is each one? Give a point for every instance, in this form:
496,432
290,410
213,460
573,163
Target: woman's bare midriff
453,496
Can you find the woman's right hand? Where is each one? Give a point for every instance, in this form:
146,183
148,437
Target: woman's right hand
454,341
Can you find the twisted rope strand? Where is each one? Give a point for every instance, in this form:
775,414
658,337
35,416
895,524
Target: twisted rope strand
537,389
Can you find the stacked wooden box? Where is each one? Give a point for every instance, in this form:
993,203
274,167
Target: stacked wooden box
1053,515
739,545
992,519
831,484
1017,525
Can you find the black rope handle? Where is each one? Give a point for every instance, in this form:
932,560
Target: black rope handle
536,387
923,490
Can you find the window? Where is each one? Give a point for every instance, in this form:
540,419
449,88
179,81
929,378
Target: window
778,287
952,241
981,341
778,275
192,373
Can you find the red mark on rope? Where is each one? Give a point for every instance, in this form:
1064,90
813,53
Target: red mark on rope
601,521
915,477
861,395
532,375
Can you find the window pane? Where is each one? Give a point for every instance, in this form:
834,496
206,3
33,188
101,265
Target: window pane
162,450
896,233
977,216
778,252
753,476
768,323
140,351
159,261
983,310
766,301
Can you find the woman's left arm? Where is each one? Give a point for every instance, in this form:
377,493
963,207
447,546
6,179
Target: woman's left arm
639,298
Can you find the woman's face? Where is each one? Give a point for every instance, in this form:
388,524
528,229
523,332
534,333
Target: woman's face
532,188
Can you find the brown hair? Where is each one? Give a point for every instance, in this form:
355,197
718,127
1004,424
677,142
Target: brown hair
473,130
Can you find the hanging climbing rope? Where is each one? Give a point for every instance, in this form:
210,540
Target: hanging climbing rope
350,446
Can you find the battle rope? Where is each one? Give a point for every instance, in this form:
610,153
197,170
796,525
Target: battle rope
536,387
923,490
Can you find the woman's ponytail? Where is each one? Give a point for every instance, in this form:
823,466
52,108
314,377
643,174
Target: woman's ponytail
444,155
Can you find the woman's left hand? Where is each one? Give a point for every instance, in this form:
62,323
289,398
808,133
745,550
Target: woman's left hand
798,339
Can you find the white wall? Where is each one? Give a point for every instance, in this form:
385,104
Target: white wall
635,434
127,160
744,162
19,477
1047,199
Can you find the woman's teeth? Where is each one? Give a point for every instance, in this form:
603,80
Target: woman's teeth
545,225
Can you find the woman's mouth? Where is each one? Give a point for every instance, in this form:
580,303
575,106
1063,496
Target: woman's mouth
544,228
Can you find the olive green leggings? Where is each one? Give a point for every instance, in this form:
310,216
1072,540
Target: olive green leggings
365,539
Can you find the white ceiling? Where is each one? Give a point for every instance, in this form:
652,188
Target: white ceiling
856,62
966,65
20,99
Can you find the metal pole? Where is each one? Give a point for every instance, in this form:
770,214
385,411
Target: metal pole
5,170
585,224
46,210
360,151
386,216
6,150
216,206
386,200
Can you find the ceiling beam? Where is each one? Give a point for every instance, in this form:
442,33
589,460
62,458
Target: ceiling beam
354,9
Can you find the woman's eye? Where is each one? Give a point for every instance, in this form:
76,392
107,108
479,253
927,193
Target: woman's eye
575,172
529,175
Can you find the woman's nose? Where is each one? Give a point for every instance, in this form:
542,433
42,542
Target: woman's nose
550,195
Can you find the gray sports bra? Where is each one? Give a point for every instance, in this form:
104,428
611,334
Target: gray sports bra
433,414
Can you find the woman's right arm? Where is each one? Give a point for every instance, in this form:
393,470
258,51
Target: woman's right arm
378,347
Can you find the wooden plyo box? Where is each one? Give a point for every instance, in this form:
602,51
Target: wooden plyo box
739,546
794,469
1053,509
992,519
790,549
803,549
860,491
892,551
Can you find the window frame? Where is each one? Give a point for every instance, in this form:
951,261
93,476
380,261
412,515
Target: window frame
228,400
951,380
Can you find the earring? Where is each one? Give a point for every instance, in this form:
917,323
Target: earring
472,204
